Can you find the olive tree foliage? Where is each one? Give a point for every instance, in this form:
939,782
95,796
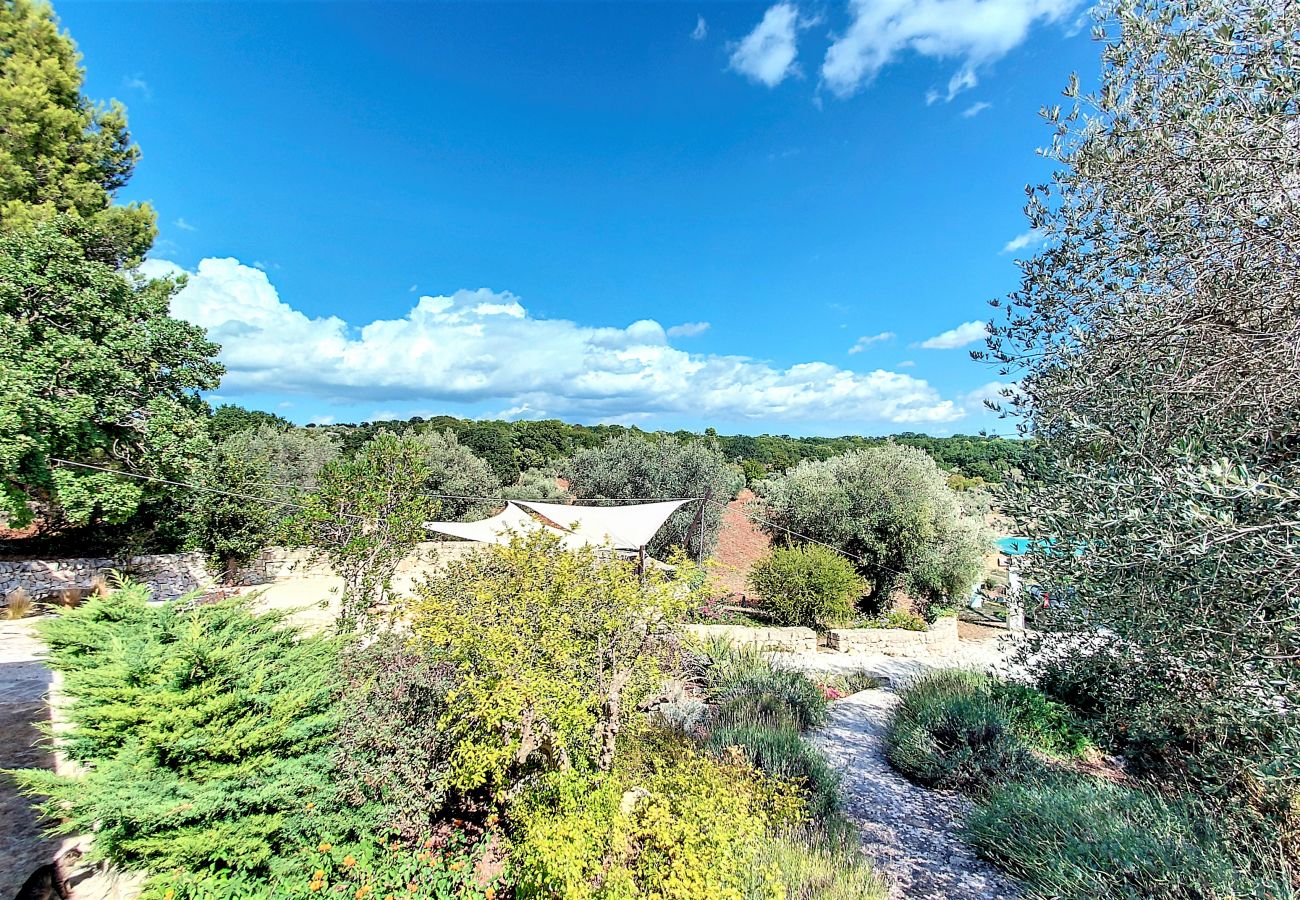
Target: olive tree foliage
92,368
260,475
365,516
890,508
1155,340
630,466
537,484
455,472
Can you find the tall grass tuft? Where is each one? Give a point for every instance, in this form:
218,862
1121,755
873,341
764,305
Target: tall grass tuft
950,732
18,603
744,683
1082,838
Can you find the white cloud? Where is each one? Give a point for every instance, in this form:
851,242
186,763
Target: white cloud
688,329
906,364
1031,238
185,226
961,336
766,55
973,32
867,340
136,82
701,29
975,109
480,345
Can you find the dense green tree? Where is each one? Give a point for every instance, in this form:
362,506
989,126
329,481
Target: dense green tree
229,418
59,152
93,370
891,508
1154,342
262,472
493,443
635,466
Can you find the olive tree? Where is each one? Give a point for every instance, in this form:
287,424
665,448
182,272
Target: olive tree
1154,341
891,509
632,466
260,474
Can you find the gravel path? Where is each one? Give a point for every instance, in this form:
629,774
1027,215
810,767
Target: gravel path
910,832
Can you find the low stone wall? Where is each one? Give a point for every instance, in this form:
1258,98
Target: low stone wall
795,640
941,637
168,574
171,575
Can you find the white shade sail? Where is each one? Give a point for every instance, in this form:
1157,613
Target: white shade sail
627,527
512,520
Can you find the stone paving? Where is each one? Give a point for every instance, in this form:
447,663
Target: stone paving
910,832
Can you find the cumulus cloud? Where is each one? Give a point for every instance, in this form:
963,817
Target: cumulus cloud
701,29
1031,238
868,339
975,33
688,329
963,335
767,54
481,345
975,109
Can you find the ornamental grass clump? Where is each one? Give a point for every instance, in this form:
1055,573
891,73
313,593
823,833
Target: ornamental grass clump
950,732
1083,838
744,684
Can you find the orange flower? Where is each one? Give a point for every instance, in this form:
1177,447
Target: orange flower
319,875
349,861
315,886
170,893
489,893
362,891
325,847
311,806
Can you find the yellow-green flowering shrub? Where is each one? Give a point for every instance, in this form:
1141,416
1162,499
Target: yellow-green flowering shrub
675,824
549,648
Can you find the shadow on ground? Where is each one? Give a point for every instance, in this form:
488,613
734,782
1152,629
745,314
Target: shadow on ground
23,847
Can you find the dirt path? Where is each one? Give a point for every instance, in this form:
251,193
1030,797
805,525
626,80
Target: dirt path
23,683
911,833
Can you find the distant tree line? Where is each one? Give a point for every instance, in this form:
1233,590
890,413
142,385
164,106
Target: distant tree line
513,447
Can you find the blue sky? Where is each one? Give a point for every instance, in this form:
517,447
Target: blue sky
752,216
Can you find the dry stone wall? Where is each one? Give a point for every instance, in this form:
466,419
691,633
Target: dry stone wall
941,637
171,575
795,640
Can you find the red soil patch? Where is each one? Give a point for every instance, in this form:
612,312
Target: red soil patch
740,544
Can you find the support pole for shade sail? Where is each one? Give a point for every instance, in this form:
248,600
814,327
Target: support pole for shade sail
640,561
697,525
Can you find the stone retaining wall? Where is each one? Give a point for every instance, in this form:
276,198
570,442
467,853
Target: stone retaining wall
171,575
795,640
168,574
941,637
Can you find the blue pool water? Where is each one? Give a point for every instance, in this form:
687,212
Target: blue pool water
1013,546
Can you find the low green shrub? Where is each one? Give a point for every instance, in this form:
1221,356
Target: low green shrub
746,686
449,868
807,585
949,732
1080,839
391,753
782,753
1042,723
